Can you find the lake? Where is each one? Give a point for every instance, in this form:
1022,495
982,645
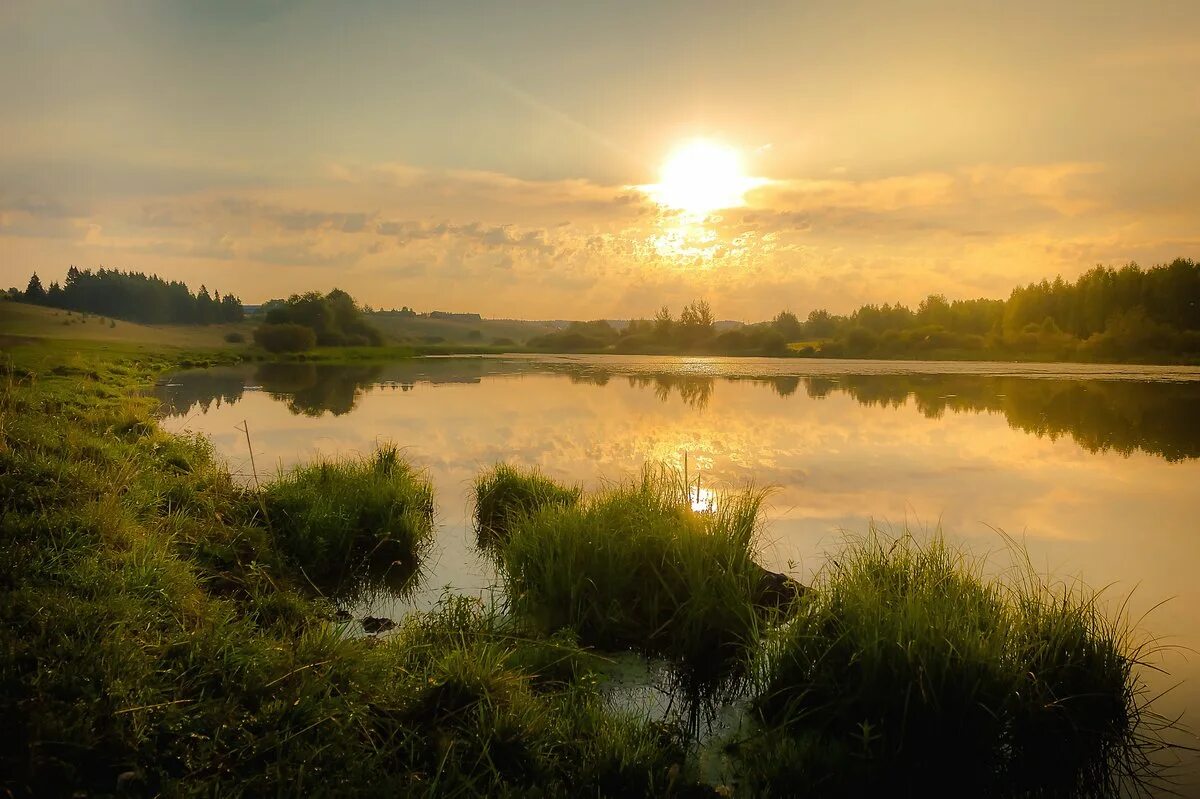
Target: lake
1094,469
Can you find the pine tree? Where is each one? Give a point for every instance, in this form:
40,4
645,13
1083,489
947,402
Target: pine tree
34,292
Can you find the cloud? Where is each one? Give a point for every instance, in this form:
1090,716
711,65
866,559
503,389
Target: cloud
509,246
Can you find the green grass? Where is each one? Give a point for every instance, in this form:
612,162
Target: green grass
486,693
156,637
635,567
503,495
909,671
356,354
331,516
419,330
19,319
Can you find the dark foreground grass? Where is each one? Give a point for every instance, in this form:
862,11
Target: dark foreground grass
907,672
156,637
505,494
335,516
635,566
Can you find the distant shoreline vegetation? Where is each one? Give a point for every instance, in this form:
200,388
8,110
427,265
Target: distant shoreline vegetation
133,296
1128,314
306,320
1107,314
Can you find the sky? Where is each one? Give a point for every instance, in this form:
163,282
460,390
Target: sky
504,158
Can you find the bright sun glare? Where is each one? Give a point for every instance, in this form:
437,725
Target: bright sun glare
702,176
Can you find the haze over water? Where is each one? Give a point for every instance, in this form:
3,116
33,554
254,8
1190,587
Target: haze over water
1093,468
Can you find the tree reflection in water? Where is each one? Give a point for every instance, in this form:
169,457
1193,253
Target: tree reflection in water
1124,416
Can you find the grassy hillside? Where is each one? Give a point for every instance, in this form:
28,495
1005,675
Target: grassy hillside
419,330
35,321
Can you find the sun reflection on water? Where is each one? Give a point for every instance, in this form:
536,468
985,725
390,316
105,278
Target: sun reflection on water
703,500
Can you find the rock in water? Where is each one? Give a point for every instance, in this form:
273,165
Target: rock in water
777,591
373,625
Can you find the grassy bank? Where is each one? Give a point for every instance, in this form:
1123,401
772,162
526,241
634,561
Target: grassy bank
157,638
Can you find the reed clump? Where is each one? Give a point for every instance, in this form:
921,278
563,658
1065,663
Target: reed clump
908,670
505,494
331,515
635,567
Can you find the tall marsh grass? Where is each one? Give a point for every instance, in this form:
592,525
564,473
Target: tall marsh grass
505,494
635,566
908,671
332,515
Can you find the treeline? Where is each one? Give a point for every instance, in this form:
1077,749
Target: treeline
306,320
693,331
133,296
1107,313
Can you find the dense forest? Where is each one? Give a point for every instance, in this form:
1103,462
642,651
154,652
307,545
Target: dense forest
133,296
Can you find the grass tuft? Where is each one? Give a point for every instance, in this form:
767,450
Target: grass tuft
636,567
505,494
332,515
907,670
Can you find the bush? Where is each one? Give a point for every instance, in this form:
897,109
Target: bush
638,343
235,337
570,341
773,343
284,337
860,340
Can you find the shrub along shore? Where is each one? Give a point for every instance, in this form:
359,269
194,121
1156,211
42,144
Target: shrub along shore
167,631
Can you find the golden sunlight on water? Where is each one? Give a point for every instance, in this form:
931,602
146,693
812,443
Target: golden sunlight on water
703,500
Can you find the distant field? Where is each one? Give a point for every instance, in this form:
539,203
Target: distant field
17,319
417,330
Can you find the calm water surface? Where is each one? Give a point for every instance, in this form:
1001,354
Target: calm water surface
1096,469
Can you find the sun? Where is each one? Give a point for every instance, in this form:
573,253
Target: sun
702,176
